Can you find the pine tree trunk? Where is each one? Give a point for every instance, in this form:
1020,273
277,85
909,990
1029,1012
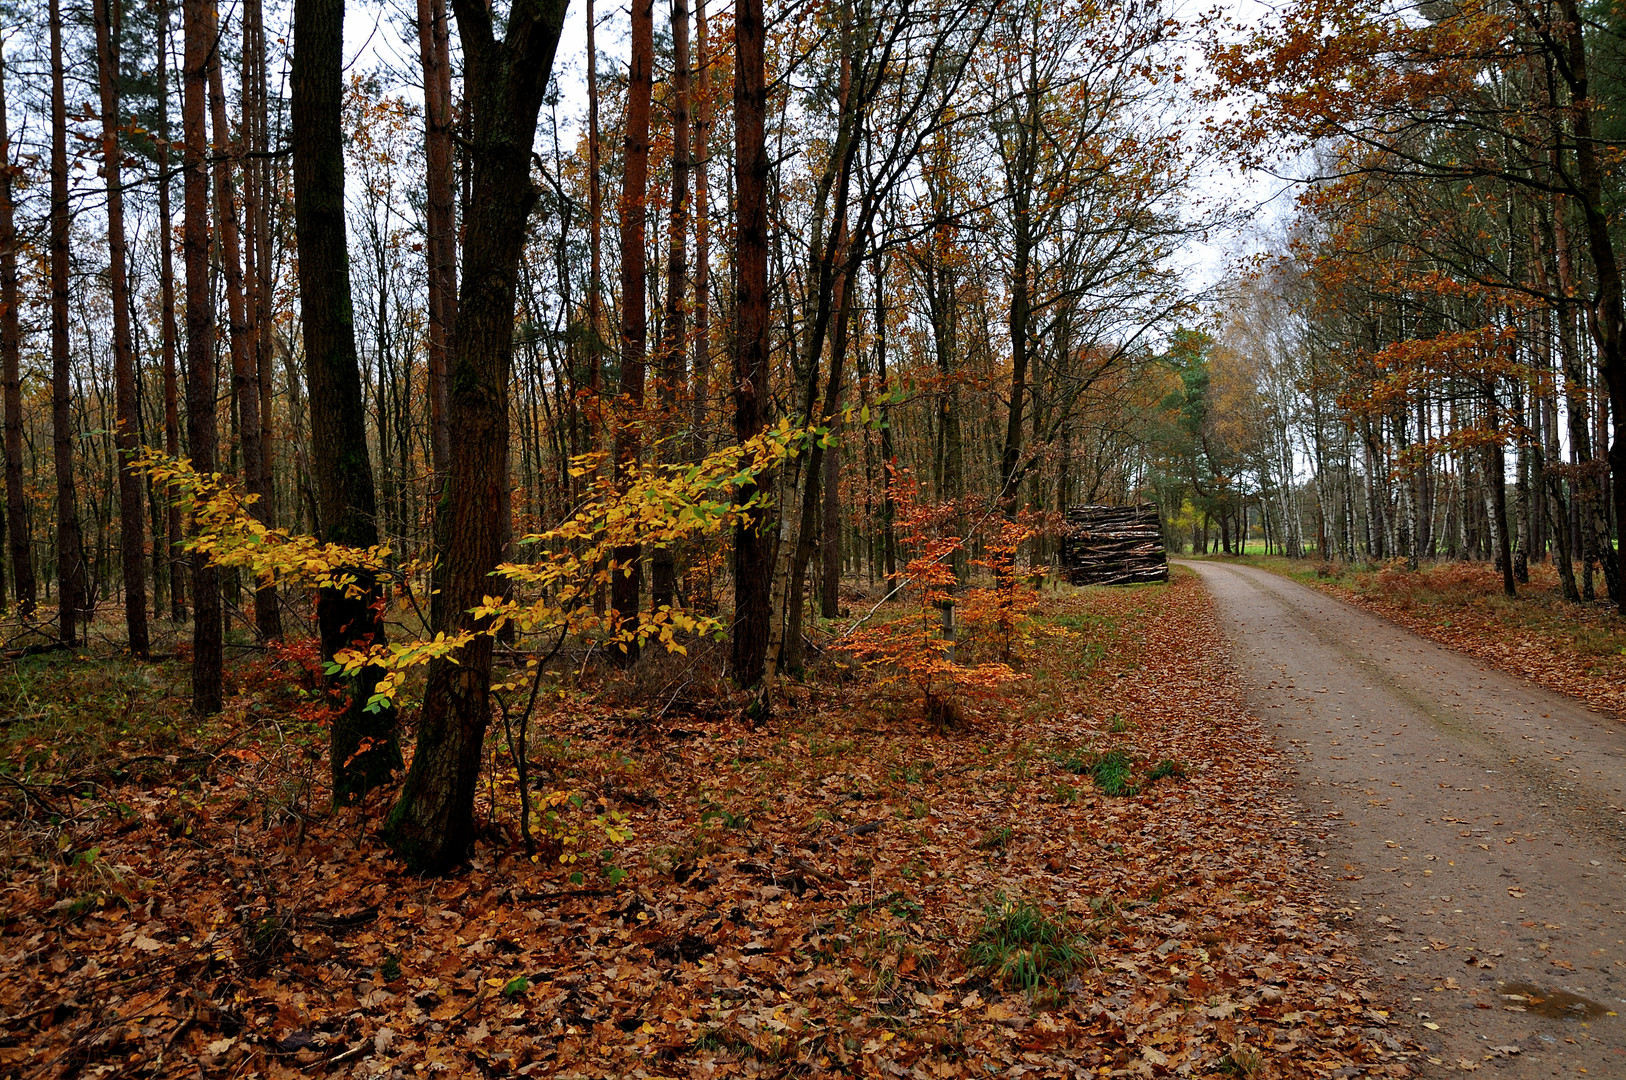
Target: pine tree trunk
674,339
753,542
17,530
626,585
132,538
207,628
700,380
365,745
70,546
245,380
166,313
1496,501
259,294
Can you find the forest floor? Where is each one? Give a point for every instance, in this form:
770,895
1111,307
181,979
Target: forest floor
1573,649
1103,873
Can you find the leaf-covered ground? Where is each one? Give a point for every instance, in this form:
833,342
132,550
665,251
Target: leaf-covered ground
845,891
1574,649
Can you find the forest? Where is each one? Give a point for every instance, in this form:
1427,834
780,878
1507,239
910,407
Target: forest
497,439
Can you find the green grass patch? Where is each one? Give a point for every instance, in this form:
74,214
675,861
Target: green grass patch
1167,769
1113,773
1023,948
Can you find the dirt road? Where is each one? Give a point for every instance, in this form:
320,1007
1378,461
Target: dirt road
1474,825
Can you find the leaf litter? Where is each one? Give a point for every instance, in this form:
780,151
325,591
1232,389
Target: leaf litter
816,897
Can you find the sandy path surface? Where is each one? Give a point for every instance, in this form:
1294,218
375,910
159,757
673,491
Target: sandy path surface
1473,825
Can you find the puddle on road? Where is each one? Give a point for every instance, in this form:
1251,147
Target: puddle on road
1557,1004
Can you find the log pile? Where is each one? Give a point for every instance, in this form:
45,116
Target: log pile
1113,545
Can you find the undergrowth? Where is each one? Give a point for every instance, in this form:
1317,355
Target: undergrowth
1023,948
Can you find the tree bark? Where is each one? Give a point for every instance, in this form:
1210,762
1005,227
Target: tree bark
166,315
830,533
207,628
889,460
240,343
259,293
70,546
365,746
626,584
1609,328
700,376
595,241
674,338
432,824
753,543
440,214
17,535
1496,499
1019,183
132,538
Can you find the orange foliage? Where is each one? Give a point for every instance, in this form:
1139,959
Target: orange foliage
914,648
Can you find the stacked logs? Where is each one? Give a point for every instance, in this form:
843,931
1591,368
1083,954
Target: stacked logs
1113,545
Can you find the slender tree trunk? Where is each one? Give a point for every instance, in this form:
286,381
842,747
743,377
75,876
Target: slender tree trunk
70,546
889,460
207,628
1557,513
132,538
245,380
365,746
259,291
1521,493
595,238
700,380
17,535
829,255
626,585
1496,500
434,47
830,538
166,314
830,532
596,344
663,565
432,824
1021,303
753,542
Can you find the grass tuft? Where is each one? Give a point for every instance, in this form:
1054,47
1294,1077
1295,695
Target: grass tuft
996,839
1023,948
1166,769
1113,774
